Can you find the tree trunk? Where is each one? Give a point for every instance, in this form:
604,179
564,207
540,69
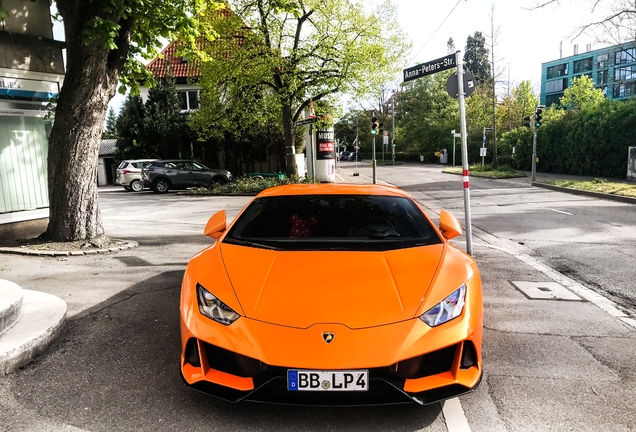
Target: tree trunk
90,83
291,169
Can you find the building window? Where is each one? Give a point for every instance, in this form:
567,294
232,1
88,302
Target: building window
557,71
583,65
556,85
624,90
624,56
625,73
602,77
602,61
553,99
189,99
604,90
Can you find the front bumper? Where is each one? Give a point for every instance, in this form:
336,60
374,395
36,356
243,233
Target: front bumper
407,361
269,383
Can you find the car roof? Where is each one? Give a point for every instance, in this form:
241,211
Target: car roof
332,189
140,160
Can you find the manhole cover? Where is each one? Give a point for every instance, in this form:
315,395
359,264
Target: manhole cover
545,291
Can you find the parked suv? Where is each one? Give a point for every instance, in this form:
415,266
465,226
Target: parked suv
129,174
164,175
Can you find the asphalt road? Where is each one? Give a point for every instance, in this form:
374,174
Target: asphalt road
549,365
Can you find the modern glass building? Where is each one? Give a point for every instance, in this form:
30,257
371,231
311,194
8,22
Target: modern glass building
613,70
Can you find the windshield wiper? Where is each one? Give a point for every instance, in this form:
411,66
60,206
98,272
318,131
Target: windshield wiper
239,242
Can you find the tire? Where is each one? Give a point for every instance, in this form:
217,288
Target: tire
161,186
136,186
260,177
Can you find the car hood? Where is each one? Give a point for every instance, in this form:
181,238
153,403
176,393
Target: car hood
357,289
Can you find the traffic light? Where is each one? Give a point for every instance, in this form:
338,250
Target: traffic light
537,117
374,126
526,121
380,125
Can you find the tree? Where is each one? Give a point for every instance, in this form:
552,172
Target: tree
104,39
111,129
617,22
302,49
165,128
581,94
450,46
129,125
476,58
427,114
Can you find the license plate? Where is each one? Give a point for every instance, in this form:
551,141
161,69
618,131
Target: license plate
314,380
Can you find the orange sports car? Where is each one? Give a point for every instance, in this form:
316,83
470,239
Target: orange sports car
268,314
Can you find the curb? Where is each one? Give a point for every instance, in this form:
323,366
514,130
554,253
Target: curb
573,191
486,177
48,253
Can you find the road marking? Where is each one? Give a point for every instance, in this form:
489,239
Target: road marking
454,416
582,291
554,210
340,177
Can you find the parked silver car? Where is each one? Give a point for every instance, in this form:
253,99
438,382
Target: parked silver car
163,175
129,174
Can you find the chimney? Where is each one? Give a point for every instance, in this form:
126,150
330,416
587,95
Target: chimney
576,49
588,47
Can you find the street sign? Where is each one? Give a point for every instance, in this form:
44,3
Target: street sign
482,152
429,68
469,84
385,139
385,133
306,121
483,140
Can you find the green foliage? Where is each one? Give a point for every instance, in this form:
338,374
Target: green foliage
111,128
476,59
427,115
130,125
591,142
156,128
249,185
582,94
296,50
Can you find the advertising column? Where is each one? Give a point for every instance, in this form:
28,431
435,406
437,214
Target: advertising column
325,160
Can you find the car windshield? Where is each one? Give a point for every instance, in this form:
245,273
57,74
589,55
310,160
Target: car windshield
332,222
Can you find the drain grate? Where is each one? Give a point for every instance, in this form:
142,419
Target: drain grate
545,291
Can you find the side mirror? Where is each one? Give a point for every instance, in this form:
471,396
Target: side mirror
449,225
216,225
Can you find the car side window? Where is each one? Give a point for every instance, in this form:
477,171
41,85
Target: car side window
169,165
193,166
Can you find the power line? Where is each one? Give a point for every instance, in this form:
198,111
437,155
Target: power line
435,32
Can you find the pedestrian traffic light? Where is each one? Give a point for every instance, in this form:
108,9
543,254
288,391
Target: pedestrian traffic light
526,121
537,117
374,126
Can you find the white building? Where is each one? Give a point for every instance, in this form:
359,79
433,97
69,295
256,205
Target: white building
31,74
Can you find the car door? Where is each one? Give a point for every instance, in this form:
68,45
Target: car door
196,174
174,172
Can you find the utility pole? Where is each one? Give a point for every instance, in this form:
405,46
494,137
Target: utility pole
373,162
393,128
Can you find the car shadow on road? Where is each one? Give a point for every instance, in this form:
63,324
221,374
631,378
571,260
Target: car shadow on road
116,367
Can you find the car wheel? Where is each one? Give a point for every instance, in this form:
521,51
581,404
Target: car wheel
260,177
219,181
136,185
161,186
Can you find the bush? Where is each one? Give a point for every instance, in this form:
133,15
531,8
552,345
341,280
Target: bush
249,185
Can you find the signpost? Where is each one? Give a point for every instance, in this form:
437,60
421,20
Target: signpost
465,87
455,135
430,68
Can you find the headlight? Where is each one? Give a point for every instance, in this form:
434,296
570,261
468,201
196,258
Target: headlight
213,308
449,308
